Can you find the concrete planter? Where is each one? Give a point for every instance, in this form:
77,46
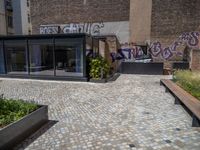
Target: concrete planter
112,77
98,80
151,68
18,131
181,65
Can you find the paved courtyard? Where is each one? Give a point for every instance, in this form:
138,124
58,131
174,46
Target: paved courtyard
134,112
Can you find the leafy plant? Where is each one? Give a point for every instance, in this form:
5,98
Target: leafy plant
99,68
189,81
13,110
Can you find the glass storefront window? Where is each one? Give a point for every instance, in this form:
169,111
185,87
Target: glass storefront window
95,47
2,65
89,50
16,57
69,57
52,56
41,57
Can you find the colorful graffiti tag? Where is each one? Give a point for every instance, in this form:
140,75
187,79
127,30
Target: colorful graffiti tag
90,28
156,49
190,39
127,51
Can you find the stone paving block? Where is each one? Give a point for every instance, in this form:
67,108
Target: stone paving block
132,110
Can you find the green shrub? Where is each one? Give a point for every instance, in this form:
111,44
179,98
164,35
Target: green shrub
190,81
99,68
12,110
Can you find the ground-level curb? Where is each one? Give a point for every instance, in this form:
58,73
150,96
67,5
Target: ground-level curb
16,132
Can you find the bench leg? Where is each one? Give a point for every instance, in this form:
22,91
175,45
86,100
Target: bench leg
195,121
177,101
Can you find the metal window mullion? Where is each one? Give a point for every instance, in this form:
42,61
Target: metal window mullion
54,57
28,56
4,56
84,57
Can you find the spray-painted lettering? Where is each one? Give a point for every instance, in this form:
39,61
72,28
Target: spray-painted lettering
90,28
130,51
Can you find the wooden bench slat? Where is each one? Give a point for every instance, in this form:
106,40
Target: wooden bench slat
180,93
188,100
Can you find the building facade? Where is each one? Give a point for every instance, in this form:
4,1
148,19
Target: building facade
6,17
167,27
96,17
15,17
21,17
2,18
143,20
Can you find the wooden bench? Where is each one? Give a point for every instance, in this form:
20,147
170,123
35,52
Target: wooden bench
189,102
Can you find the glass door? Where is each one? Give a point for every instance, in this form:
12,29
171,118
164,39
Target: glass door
16,57
69,58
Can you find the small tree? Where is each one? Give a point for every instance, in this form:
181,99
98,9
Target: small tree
99,68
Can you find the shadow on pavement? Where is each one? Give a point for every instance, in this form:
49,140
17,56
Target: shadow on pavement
36,135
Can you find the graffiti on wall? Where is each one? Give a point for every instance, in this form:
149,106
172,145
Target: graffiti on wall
90,28
157,50
118,28
189,39
128,51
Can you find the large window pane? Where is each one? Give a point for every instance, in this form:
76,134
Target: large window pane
41,57
16,57
69,57
2,65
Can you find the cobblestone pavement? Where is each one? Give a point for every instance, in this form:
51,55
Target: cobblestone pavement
134,112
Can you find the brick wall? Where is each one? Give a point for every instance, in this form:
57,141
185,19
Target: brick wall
140,20
77,11
195,60
170,18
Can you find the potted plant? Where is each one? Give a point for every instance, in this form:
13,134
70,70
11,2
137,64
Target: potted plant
99,69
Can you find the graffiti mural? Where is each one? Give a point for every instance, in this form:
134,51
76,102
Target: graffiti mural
156,50
190,39
90,28
118,28
131,51
49,29
128,51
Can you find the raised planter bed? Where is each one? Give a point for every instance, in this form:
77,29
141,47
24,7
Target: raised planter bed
151,68
98,80
110,78
190,103
113,77
18,131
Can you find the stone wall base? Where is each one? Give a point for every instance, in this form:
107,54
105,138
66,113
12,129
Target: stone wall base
195,60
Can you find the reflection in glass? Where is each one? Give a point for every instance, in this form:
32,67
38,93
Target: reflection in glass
95,47
2,67
16,57
68,56
89,51
41,59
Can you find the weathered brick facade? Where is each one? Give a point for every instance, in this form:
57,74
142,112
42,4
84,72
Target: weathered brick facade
195,60
140,21
77,11
170,18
